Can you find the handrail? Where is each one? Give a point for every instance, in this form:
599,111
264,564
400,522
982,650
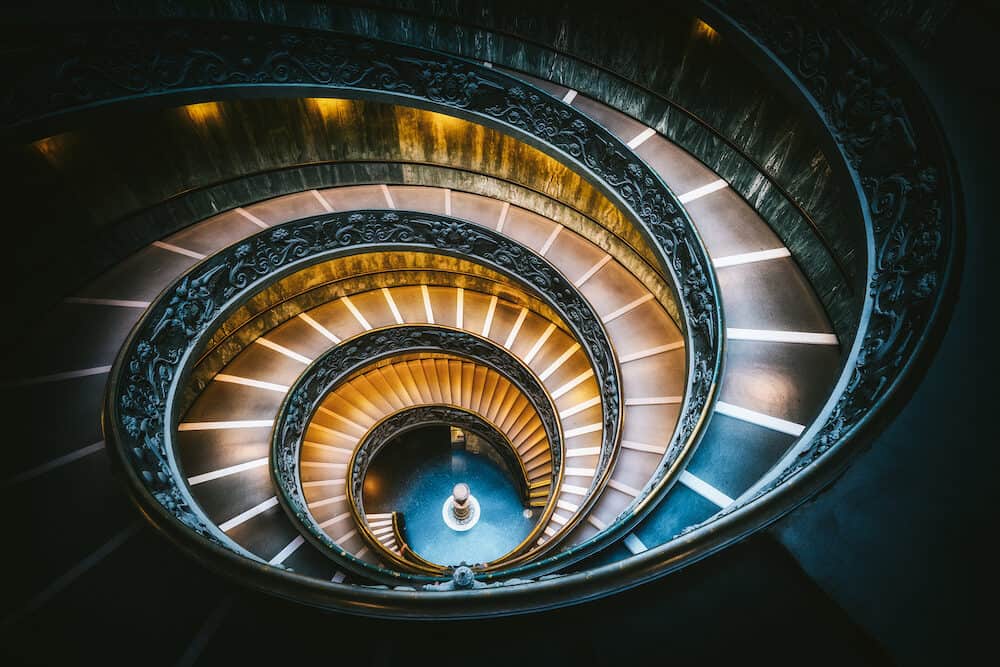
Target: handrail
414,417
399,532
510,258
139,414
397,423
348,359
441,277
246,268
673,104
637,253
913,221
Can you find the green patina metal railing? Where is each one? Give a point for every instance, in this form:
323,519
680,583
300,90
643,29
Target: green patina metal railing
353,355
888,141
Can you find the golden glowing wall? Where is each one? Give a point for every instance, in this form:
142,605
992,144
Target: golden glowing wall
89,180
122,164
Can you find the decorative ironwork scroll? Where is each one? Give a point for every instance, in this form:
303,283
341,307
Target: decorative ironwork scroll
352,356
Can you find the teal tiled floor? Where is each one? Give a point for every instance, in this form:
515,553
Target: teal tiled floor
415,476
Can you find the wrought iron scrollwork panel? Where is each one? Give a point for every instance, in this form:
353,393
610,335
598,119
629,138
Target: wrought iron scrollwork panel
139,413
131,61
352,356
887,140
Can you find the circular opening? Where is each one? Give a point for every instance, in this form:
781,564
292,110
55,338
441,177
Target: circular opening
416,474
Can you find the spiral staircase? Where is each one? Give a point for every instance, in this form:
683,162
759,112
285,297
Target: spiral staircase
347,224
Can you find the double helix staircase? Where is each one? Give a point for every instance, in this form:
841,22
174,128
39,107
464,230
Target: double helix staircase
646,384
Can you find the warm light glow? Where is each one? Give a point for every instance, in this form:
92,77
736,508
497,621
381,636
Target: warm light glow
50,148
705,31
329,108
205,113
372,484
444,120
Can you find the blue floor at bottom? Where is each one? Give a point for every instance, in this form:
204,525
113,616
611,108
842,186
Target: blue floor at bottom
415,478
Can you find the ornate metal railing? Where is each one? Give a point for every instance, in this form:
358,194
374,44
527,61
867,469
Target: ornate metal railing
412,418
889,144
191,63
351,357
188,61
141,410
470,22
865,99
399,532
892,147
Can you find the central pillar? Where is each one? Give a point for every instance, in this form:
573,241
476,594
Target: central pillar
461,510
461,507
